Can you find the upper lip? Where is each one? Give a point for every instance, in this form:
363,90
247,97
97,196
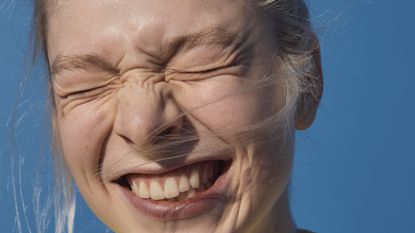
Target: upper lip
169,167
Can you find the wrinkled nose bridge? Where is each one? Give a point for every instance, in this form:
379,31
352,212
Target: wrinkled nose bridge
145,110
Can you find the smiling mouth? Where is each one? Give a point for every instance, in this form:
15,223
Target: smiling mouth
177,186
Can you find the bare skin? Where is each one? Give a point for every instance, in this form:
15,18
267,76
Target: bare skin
138,76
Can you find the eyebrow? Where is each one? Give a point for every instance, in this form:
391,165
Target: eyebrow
81,62
211,36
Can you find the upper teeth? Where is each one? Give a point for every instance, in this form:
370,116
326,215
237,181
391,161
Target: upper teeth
142,191
167,188
194,179
170,188
183,184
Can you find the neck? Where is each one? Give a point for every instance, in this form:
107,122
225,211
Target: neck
279,219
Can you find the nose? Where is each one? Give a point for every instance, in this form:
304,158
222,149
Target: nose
146,117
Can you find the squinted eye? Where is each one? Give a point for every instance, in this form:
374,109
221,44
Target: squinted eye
84,92
202,74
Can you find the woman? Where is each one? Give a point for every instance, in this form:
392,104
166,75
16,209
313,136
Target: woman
179,116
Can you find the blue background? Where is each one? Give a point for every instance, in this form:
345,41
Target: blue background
354,168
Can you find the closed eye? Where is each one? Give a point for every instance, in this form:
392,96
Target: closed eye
201,71
177,74
89,91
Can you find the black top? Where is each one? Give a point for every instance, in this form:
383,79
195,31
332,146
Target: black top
304,231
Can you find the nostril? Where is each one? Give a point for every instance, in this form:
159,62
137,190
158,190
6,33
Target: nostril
167,131
164,135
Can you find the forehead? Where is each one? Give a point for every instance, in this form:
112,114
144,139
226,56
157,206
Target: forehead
77,26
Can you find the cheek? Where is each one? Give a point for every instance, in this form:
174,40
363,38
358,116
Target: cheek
83,133
226,103
231,112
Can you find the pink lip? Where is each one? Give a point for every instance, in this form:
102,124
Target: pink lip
203,202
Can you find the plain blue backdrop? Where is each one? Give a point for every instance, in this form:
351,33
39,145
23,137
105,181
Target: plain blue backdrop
354,168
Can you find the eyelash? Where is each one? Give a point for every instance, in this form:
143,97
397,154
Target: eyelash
89,91
202,74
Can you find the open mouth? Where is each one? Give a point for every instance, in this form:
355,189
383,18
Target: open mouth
176,186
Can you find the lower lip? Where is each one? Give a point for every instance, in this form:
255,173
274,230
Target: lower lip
199,204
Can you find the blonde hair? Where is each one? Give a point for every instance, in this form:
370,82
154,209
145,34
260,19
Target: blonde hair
298,56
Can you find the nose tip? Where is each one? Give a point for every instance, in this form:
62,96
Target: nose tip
148,120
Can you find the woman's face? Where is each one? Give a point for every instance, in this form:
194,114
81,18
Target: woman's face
130,76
